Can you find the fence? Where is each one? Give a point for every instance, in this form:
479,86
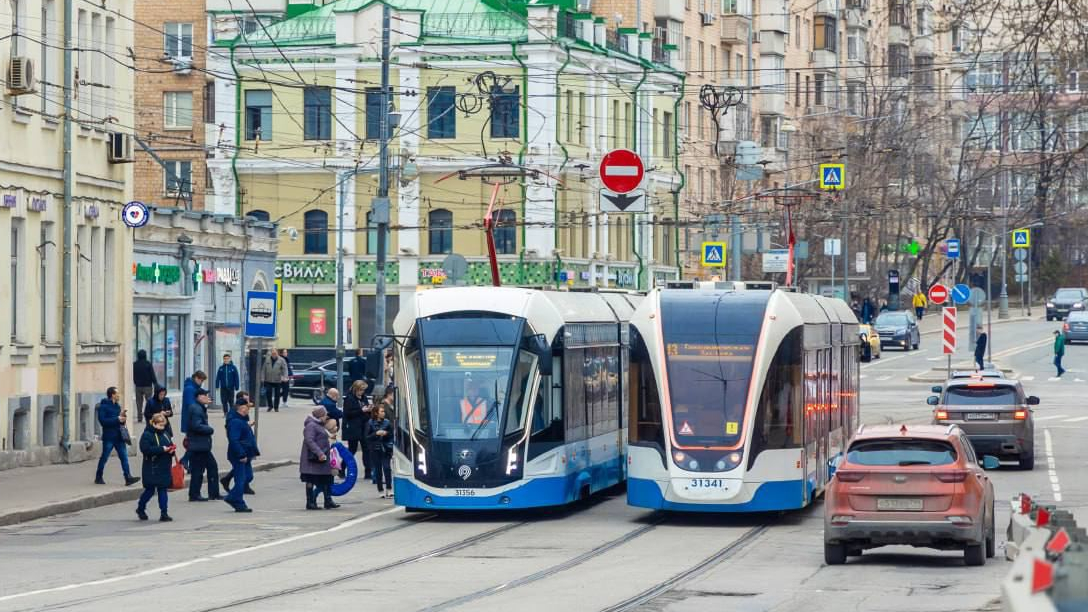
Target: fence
1050,560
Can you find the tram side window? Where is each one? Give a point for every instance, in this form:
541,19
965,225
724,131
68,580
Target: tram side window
574,394
415,376
547,423
780,410
647,424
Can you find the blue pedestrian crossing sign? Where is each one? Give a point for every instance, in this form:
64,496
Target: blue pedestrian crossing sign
832,176
1021,238
961,293
714,254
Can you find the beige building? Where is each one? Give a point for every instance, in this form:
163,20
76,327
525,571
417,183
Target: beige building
41,230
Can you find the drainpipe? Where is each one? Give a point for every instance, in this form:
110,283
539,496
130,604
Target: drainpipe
566,158
634,226
521,155
68,362
683,179
237,132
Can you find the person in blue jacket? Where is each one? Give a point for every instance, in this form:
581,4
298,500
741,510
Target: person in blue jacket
188,397
332,395
158,451
228,382
112,419
241,451
195,421
241,398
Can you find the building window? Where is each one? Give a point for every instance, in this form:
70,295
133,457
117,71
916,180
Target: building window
315,320
768,131
440,232
209,102
702,60
505,106
616,135
179,178
985,76
317,109
852,47
897,13
852,98
581,118
505,232
179,40
177,110
713,63
570,116
259,215
824,33
797,28
898,61
920,22
46,248
259,114
923,72
666,135
161,336
316,224
16,287
818,91
687,53
441,116
797,88
627,129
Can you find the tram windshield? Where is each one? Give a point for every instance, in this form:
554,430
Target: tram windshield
710,343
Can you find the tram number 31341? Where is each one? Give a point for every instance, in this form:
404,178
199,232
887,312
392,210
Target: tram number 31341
706,483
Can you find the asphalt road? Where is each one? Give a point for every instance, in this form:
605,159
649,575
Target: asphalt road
600,556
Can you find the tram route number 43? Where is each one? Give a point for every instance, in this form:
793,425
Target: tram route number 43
706,483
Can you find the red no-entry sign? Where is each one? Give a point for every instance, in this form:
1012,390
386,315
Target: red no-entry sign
938,294
621,171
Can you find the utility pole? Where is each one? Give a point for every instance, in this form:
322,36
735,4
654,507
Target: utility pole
380,204
68,362
735,247
846,251
1003,303
341,196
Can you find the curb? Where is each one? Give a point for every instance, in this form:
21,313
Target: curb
107,498
938,375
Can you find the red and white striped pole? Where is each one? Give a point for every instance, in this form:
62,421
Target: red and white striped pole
948,334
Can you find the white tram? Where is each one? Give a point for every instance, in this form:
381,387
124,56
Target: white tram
743,397
510,397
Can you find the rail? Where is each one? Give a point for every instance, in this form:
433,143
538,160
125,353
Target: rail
1050,560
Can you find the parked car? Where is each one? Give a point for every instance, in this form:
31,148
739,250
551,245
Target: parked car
1065,301
1076,327
995,414
312,381
870,343
898,328
921,485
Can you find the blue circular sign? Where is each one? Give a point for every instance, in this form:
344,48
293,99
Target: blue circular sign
961,294
135,214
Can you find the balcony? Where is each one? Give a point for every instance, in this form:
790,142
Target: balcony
899,34
827,7
855,18
923,45
669,9
772,43
822,59
735,29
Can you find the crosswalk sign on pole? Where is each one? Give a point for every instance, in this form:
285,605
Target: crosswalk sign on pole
714,254
832,176
1021,238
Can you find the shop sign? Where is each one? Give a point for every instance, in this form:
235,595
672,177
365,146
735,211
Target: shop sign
156,273
91,211
9,200
625,278
38,203
431,272
301,270
223,276
317,321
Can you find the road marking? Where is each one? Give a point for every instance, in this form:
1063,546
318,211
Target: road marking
1053,379
1051,416
1021,349
890,359
883,378
1054,484
1076,420
230,553
863,376
1027,378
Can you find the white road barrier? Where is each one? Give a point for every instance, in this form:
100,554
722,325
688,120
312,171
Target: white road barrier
1050,560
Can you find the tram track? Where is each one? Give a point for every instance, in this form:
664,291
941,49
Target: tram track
694,571
435,552
597,551
233,571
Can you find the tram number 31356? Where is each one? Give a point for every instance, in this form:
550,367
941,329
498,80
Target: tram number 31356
464,492
706,483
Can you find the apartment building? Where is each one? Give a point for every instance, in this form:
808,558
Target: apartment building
41,227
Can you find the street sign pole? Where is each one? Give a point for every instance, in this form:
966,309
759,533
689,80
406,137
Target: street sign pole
1029,281
989,306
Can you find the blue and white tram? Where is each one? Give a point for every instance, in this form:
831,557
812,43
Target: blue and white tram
510,397
743,398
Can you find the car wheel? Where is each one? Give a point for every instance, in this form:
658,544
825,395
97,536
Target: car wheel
973,555
1027,461
916,346
853,552
834,554
317,396
991,537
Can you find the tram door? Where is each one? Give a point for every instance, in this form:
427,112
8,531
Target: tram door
812,410
823,415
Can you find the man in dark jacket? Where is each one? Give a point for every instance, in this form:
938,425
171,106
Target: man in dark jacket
143,379
228,382
188,393
981,340
241,399
357,366
332,395
201,459
241,450
112,419
285,386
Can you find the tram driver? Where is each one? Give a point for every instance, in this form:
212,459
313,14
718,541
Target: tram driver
474,404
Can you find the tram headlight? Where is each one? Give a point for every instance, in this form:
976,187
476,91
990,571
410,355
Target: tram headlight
728,462
421,461
512,460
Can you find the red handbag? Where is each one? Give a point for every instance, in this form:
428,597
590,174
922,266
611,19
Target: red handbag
177,475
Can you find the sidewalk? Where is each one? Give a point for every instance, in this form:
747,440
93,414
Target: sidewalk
931,323
31,493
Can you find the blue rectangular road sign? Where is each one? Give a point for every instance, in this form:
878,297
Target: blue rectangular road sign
261,314
952,248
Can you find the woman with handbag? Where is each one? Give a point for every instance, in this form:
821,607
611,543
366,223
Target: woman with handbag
356,416
379,441
158,451
314,467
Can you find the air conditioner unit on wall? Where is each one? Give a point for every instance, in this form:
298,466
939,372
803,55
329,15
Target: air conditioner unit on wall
120,148
20,76
707,18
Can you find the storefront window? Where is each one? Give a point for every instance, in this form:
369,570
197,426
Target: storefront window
315,320
160,336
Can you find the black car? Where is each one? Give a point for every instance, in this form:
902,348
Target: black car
312,381
1066,300
898,328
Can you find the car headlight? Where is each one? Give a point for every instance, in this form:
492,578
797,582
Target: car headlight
1078,305
1050,304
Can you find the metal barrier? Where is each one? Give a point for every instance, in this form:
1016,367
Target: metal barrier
1050,560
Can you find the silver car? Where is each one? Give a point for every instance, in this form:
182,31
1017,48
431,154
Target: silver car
995,413
1076,327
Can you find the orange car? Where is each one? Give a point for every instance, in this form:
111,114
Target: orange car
920,485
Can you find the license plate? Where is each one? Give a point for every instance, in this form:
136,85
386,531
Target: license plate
898,503
706,483
981,416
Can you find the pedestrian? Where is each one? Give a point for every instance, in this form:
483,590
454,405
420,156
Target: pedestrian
389,399
1059,351
240,399
143,379
356,415
867,311
188,396
273,373
241,451
388,368
285,384
332,396
201,459
160,404
357,366
919,302
228,382
884,307
981,339
158,450
314,467
379,439
112,420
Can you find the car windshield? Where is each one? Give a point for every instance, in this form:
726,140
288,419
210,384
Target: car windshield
901,452
1078,316
1068,294
890,319
980,396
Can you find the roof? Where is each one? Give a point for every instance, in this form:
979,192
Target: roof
444,21
870,432
986,380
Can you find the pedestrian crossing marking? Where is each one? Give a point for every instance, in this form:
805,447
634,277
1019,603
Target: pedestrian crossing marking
1053,378
883,378
1027,378
1051,417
